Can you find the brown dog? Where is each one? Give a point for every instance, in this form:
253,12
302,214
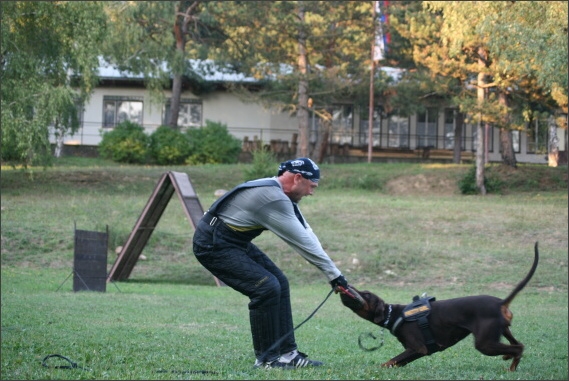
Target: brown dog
449,321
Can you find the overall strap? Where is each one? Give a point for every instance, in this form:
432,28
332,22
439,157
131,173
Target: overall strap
249,184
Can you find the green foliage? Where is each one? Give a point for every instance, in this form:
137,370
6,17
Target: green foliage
213,144
169,146
49,57
126,143
467,184
264,164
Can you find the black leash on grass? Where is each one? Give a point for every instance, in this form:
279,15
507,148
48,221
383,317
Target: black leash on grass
372,336
73,365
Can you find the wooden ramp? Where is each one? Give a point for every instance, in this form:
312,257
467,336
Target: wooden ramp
169,183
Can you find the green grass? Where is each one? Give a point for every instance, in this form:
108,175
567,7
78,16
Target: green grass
395,229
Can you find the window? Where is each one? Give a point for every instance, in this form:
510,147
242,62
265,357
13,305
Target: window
190,113
376,127
489,132
537,137
119,109
342,124
450,126
427,128
398,131
516,141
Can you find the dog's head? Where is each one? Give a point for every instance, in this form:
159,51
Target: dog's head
372,310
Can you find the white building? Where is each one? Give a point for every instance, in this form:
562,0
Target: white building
430,134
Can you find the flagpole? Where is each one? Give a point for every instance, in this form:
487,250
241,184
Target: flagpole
371,97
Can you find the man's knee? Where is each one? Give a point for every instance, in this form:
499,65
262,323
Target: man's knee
267,292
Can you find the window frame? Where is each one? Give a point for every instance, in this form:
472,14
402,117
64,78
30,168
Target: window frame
120,98
395,139
425,137
183,102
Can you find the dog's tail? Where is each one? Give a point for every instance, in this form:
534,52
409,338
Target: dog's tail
524,282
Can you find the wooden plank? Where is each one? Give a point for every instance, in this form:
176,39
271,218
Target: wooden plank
188,197
192,206
169,183
142,230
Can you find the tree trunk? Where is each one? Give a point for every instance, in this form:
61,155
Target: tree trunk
59,135
323,138
302,108
507,149
175,101
506,144
456,157
480,162
553,147
180,32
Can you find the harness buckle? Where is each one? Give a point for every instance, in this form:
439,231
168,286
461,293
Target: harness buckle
213,221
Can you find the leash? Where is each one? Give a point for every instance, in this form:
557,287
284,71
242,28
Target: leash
279,341
72,365
371,335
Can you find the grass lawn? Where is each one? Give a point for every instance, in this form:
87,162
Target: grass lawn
397,230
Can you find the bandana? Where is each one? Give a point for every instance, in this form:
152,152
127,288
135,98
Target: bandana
306,167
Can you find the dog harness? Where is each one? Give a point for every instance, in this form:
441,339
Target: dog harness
419,310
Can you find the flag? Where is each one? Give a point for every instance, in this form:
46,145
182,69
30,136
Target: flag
379,42
385,21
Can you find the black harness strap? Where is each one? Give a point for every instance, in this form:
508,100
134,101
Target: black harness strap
249,184
419,310
210,216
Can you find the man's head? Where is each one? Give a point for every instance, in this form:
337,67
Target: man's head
299,178
304,166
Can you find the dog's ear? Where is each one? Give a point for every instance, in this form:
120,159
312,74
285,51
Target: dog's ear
378,315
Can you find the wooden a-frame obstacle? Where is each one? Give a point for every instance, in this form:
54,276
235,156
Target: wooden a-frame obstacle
169,183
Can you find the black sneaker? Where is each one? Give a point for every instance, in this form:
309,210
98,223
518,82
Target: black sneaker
301,360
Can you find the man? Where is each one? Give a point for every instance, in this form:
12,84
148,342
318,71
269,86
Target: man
222,244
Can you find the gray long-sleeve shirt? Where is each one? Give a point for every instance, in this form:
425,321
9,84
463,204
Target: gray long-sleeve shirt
270,207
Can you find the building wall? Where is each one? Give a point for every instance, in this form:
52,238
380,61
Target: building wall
250,121
242,119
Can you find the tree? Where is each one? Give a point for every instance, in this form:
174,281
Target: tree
433,76
301,51
157,39
534,41
49,67
524,41
467,41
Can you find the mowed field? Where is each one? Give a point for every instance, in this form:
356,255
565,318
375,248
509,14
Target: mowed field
397,230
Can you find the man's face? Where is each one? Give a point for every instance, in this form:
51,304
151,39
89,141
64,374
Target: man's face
301,187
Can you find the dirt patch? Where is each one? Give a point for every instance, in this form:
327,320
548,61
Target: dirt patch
422,184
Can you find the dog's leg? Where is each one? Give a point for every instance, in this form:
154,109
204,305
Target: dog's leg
508,335
495,348
403,359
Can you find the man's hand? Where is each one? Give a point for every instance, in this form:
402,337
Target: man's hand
339,281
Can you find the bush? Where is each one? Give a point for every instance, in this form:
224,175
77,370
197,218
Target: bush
168,146
467,184
126,143
264,164
213,144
